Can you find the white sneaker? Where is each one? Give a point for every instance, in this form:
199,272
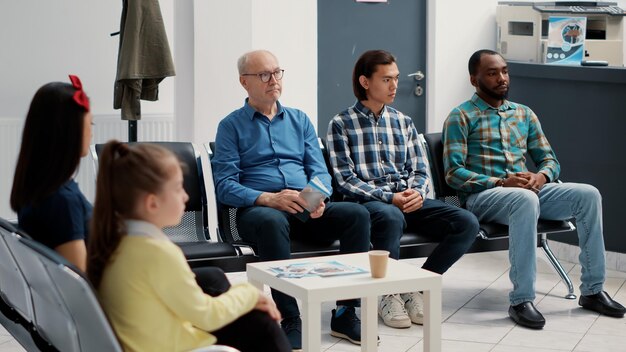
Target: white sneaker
414,305
391,309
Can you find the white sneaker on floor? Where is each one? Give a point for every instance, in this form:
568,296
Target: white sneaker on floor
391,310
414,305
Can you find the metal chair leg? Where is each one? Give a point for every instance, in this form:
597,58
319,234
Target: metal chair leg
557,267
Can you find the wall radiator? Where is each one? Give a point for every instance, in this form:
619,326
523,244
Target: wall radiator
150,128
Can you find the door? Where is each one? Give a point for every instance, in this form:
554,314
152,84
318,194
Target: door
346,29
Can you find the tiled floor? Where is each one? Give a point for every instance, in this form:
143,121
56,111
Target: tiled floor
475,303
8,343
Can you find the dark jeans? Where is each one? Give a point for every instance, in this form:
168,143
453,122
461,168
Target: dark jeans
457,226
271,231
262,333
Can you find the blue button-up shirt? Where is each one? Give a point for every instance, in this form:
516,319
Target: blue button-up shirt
254,154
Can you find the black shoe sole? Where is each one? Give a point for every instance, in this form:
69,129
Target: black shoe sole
530,325
601,310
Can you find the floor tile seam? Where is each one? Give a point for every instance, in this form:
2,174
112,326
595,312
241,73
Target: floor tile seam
484,326
501,342
581,335
495,345
505,335
598,334
478,293
413,345
623,285
556,285
578,310
395,335
582,338
486,309
543,348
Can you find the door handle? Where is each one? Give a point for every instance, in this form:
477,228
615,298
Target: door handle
419,75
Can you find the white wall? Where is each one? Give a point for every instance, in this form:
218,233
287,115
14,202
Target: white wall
44,41
455,30
223,31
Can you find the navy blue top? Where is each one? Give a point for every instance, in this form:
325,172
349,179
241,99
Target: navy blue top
255,155
60,218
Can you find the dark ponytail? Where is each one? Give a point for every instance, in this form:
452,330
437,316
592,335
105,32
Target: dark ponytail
107,227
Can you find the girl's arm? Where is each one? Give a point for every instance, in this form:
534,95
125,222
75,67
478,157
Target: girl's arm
75,252
175,284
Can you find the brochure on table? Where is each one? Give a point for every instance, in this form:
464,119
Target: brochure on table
566,40
323,269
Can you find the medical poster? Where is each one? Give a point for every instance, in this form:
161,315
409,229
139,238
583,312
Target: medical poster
566,40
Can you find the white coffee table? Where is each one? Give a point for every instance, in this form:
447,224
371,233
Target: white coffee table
312,291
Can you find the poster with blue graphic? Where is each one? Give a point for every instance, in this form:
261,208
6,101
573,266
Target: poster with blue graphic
566,40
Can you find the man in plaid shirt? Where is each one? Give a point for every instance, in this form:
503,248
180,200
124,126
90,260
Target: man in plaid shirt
485,144
376,160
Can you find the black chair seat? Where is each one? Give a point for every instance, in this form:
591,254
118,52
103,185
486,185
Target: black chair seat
414,239
300,246
492,230
206,250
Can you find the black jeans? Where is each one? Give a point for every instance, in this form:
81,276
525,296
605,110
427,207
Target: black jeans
458,228
271,231
262,333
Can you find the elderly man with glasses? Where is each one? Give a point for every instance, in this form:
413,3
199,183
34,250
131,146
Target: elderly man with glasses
265,155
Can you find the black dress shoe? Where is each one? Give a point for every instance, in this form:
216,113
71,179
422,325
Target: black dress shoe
525,314
603,304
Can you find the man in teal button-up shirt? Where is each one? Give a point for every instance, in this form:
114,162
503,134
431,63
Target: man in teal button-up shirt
486,140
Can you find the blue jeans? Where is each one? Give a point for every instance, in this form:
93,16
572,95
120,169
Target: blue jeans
520,209
457,226
270,230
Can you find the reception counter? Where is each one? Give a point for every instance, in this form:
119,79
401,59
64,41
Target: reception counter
583,113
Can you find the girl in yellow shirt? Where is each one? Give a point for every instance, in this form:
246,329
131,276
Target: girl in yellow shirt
143,280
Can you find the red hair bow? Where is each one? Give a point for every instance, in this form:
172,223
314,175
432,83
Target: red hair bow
79,96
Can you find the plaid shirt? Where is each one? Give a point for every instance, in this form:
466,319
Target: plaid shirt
482,144
374,158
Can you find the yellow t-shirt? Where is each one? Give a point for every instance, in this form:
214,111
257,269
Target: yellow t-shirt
151,297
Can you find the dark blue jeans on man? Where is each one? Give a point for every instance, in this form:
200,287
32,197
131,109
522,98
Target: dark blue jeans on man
271,231
455,227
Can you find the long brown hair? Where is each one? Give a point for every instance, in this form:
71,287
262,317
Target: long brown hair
51,147
124,174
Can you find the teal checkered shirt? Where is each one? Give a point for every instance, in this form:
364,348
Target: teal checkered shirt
482,144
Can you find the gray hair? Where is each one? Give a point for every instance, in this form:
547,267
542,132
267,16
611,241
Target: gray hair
243,60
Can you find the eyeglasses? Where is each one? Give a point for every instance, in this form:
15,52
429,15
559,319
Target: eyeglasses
265,76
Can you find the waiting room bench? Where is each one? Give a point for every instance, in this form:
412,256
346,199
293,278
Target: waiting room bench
491,237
